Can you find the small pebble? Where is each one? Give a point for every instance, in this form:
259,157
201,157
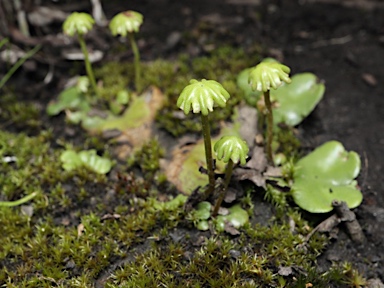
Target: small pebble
369,79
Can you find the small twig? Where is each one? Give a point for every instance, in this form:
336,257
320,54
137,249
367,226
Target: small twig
342,214
333,41
349,218
328,42
365,174
325,226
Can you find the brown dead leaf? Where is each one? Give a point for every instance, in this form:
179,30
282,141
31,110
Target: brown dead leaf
249,174
247,119
228,227
257,169
135,137
258,160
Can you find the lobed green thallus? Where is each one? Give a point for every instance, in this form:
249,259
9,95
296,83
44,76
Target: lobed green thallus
81,24
201,97
264,76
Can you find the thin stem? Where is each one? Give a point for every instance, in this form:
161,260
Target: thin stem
136,56
16,66
208,154
18,202
268,105
88,66
3,42
228,174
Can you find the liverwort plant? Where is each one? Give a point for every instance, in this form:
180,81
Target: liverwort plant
125,24
231,150
201,97
264,76
81,24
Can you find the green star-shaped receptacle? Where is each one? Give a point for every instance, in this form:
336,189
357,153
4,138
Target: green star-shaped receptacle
231,148
78,22
202,96
126,22
268,74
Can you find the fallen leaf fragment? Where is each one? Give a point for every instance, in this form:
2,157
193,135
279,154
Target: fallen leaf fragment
110,216
80,229
285,271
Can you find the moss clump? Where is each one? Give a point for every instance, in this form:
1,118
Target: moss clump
252,260
115,77
288,143
15,113
148,157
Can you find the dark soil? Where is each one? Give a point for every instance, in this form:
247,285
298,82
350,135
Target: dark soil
343,46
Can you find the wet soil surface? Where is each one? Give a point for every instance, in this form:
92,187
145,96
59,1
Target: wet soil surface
343,46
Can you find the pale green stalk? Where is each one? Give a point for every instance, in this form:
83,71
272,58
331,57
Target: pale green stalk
20,62
88,66
136,56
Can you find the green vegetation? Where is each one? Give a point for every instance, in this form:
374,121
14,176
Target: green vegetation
201,97
125,24
266,75
72,160
81,24
19,62
331,172
129,227
15,113
230,150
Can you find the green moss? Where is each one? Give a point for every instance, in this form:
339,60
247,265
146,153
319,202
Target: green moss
221,262
16,113
288,143
40,251
115,77
148,157
84,224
